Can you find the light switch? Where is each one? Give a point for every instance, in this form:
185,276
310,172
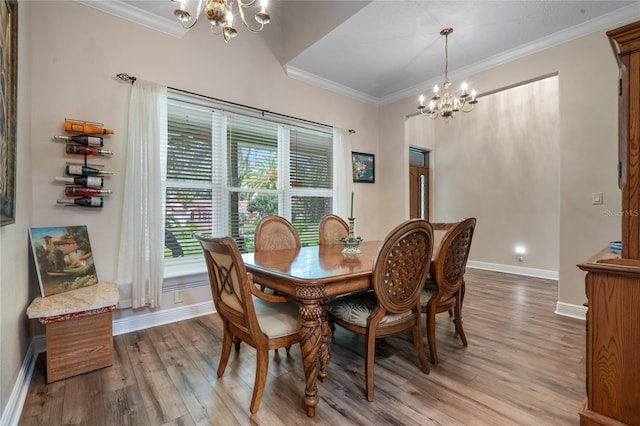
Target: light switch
596,198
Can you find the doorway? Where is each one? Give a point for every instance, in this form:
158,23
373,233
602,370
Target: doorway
418,183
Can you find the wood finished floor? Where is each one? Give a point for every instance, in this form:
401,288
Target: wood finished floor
524,365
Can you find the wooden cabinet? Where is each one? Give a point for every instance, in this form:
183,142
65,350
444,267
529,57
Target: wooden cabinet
626,45
612,283
613,341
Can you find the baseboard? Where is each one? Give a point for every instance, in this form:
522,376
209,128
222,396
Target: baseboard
13,409
153,319
517,270
573,311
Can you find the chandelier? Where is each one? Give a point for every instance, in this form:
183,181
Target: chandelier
446,105
220,14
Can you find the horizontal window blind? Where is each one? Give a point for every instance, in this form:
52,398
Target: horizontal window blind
226,171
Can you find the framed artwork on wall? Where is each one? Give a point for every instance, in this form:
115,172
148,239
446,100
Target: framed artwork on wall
363,167
8,101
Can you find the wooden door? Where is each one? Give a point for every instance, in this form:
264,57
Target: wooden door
419,192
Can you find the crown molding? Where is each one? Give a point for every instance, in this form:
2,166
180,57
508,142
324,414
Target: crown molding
605,22
137,15
332,86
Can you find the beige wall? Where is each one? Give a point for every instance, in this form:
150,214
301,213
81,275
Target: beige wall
500,164
587,105
15,293
70,53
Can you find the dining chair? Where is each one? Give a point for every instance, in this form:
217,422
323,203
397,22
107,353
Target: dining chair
275,233
332,229
263,321
400,270
444,290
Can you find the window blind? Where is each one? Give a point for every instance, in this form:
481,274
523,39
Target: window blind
225,171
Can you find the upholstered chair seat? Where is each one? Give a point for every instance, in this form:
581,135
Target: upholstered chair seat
263,321
400,270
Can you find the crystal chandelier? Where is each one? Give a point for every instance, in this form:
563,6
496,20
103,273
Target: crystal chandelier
220,14
446,105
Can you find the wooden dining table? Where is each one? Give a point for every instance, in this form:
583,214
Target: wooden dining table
313,274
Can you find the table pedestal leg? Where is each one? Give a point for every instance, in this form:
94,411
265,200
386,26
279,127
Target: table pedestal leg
326,341
310,342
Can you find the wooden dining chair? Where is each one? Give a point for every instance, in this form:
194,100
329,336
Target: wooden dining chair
332,229
261,320
275,233
400,270
443,292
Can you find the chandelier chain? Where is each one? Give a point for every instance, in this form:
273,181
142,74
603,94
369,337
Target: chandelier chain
447,104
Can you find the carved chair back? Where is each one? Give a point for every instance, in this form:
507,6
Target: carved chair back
332,229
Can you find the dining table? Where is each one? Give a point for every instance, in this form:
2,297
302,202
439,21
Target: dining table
313,274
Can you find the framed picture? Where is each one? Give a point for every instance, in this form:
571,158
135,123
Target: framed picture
63,258
363,165
8,100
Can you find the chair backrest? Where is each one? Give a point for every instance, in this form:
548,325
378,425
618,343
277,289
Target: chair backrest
450,260
332,228
401,266
275,233
230,282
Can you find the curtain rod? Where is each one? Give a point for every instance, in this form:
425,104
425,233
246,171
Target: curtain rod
126,77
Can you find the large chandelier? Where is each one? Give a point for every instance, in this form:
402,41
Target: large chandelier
220,14
446,105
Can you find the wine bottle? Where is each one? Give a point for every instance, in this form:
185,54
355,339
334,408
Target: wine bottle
86,150
84,201
84,180
77,170
85,127
82,191
82,139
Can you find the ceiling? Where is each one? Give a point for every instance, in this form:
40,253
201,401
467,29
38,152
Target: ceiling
384,50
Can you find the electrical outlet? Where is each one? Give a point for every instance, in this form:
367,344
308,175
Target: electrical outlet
177,296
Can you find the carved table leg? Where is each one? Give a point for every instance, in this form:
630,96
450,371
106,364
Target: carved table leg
310,342
326,342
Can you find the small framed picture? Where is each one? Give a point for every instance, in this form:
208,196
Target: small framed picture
363,167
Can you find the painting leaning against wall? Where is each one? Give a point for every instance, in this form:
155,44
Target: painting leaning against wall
63,258
8,101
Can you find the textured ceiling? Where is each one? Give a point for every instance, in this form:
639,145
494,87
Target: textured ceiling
380,51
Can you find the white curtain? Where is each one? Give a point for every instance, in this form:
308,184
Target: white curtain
342,172
141,256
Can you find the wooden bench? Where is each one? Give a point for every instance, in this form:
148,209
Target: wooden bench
78,328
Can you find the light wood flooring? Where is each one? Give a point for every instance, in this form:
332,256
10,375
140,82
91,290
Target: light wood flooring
524,366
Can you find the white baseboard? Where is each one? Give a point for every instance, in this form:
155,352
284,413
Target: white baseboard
518,270
153,319
13,409
573,311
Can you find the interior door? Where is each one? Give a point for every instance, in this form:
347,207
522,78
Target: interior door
419,192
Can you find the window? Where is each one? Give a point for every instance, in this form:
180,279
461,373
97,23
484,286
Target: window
225,171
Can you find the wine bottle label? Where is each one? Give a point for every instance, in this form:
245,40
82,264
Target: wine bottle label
75,170
96,202
94,181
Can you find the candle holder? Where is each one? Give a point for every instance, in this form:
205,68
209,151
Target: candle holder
351,243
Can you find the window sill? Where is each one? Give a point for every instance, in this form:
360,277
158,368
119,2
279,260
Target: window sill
185,273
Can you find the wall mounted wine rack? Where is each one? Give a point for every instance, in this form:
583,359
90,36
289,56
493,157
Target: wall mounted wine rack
84,183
